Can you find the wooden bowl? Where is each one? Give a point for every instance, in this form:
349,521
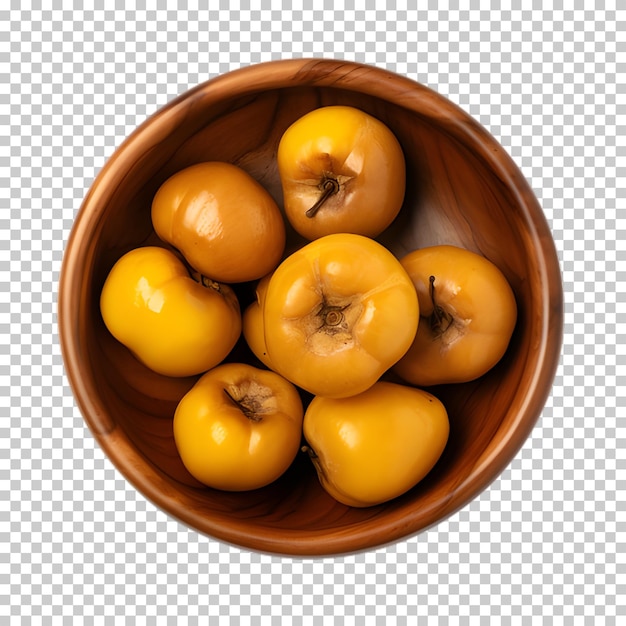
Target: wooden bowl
462,189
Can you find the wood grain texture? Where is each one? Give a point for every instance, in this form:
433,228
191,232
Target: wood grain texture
462,189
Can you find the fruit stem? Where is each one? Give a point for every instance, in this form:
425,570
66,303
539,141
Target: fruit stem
319,468
331,316
245,405
205,281
329,187
208,282
440,319
308,450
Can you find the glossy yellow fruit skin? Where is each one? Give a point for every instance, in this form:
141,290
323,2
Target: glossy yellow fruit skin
479,318
172,324
253,328
337,314
239,427
375,446
225,223
358,152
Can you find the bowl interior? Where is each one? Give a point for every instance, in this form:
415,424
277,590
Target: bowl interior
462,189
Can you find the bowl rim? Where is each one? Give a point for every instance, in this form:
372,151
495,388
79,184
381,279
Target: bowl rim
314,72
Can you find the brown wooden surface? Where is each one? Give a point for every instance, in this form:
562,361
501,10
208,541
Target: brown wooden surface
462,189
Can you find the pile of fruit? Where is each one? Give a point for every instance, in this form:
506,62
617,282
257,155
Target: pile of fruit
330,318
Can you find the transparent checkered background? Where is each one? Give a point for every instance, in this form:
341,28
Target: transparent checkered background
545,542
